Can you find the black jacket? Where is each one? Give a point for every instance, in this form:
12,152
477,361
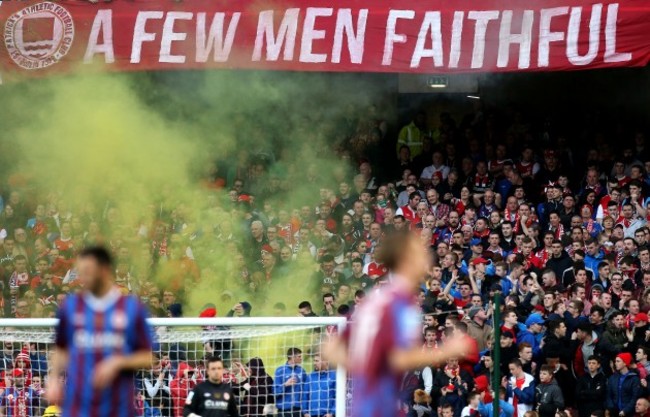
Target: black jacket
613,341
256,391
457,397
590,393
211,400
569,276
557,348
508,354
559,265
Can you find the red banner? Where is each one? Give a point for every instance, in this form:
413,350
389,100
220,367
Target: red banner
429,36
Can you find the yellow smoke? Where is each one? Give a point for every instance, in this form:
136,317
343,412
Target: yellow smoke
140,142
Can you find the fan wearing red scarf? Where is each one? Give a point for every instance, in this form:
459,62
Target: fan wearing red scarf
525,219
555,225
545,253
454,383
520,388
593,228
630,221
482,180
526,250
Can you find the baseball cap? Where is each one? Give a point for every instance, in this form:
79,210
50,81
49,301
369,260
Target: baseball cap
475,242
480,260
641,317
474,311
534,318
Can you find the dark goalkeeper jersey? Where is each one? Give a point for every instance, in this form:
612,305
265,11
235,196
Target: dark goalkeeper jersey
211,400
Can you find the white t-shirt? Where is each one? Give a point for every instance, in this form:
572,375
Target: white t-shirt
428,172
466,411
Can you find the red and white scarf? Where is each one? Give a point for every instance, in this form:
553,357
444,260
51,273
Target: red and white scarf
543,256
558,232
508,216
625,222
481,181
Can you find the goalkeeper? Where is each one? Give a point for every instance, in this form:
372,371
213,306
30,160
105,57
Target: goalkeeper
211,398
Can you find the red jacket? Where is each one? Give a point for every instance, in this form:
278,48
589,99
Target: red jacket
408,213
181,386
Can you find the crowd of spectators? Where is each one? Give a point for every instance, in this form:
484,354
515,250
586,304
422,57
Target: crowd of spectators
289,390
557,232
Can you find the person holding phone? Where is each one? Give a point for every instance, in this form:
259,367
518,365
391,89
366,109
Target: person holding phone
156,386
289,385
520,388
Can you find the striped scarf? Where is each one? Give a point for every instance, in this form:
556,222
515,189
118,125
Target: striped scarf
558,232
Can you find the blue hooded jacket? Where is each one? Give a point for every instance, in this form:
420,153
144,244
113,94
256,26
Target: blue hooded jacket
287,398
591,262
321,393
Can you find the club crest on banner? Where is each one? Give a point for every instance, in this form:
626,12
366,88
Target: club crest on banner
39,35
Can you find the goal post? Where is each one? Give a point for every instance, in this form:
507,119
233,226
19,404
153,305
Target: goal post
184,343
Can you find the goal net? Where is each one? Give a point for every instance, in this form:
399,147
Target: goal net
255,352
